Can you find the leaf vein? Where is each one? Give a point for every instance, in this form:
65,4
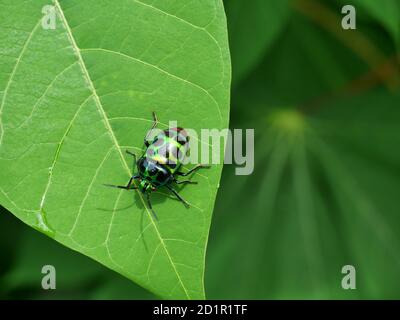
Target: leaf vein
88,190
111,132
162,71
57,153
5,93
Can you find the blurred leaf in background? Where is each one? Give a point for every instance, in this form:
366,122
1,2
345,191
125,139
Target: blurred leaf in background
25,252
253,26
386,12
324,103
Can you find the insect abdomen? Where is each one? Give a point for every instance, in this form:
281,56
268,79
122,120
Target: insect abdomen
169,148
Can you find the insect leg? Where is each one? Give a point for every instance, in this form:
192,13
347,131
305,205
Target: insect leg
150,206
199,166
129,186
155,122
185,182
178,196
134,158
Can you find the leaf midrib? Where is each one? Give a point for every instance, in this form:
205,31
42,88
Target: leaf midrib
111,132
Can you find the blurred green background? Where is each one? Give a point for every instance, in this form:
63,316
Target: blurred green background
325,104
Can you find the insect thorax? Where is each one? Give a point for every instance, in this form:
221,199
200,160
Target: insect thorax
153,173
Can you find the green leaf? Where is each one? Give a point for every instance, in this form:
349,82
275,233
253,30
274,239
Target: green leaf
387,12
75,97
249,36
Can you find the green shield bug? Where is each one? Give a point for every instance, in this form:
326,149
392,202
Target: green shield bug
161,164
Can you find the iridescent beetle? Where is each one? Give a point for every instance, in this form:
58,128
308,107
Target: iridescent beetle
161,162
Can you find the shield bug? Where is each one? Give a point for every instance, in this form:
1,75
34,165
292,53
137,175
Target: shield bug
161,163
